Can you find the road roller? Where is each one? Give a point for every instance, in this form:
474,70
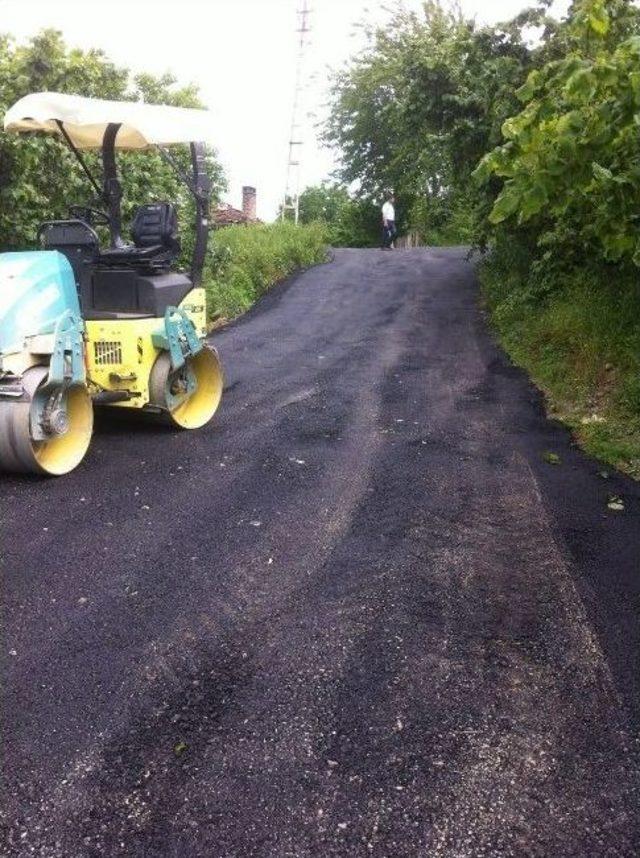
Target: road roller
111,324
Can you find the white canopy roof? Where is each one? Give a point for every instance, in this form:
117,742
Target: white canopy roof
85,120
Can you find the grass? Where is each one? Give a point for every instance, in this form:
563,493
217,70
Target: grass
579,339
246,261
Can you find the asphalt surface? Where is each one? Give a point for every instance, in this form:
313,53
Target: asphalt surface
359,614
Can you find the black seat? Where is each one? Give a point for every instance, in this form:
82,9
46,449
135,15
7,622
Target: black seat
154,231
57,234
156,224
76,240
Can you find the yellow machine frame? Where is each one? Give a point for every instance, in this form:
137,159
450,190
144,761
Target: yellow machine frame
120,352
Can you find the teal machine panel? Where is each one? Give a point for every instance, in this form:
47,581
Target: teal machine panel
36,288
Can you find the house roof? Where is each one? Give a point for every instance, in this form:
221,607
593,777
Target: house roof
226,214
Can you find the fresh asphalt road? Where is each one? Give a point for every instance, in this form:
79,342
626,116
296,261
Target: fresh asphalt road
358,614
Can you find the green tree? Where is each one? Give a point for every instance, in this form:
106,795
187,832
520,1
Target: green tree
351,222
323,202
422,104
39,177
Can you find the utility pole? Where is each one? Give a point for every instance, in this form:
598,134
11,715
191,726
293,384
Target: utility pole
291,201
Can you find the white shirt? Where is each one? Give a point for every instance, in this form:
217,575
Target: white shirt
388,211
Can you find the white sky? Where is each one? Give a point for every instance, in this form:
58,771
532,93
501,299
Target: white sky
242,55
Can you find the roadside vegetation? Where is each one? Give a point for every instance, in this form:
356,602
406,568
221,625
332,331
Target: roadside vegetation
581,345
520,139
245,261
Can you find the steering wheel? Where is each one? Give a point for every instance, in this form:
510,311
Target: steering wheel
93,217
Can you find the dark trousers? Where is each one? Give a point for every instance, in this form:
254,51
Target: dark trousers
388,233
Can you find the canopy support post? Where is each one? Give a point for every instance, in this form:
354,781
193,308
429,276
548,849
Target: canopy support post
112,190
200,186
78,155
202,194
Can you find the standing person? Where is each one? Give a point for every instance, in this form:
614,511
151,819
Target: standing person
389,223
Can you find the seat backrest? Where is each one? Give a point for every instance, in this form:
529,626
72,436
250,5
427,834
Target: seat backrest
57,234
156,224
78,242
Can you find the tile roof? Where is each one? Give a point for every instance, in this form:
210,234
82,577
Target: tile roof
226,214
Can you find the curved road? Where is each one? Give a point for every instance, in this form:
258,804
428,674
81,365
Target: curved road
359,614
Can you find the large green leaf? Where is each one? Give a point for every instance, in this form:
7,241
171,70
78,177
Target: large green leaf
506,204
532,201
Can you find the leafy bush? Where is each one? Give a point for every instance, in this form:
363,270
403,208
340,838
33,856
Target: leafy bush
562,277
245,261
444,220
350,222
571,164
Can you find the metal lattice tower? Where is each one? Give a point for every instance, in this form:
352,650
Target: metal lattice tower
291,201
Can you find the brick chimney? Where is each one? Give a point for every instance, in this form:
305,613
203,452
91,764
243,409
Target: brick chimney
249,202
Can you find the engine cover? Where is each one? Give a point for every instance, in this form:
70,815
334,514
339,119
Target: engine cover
36,288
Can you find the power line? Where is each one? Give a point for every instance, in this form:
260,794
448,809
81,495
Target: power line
291,200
